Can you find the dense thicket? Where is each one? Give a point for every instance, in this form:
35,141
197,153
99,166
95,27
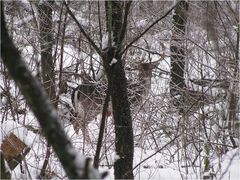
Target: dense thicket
171,72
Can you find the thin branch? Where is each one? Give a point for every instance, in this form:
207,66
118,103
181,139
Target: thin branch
177,136
45,163
102,128
146,30
97,49
162,55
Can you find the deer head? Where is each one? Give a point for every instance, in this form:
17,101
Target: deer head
145,73
138,90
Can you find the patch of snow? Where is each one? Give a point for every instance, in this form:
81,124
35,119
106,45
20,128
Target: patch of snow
141,23
178,96
105,41
40,2
114,61
229,165
235,27
80,162
25,1
116,157
7,167
3,101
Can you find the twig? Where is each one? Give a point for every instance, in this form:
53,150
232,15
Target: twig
157,151
146,30
102,127
97,49
45,163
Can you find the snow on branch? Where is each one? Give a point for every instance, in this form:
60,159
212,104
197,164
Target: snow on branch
114,61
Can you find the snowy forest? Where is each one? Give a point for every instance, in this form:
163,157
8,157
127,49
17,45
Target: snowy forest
120,89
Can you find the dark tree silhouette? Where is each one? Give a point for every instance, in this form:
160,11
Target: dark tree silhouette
113,64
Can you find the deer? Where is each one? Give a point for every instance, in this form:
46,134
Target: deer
189,101
88,97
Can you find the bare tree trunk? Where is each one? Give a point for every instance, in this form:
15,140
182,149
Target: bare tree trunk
118,89
47,64
177,80
46,43
233,104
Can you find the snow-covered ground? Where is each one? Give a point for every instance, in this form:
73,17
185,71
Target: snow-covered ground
148,163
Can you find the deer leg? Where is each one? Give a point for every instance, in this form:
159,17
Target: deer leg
74,121
79,122
85,131
76,125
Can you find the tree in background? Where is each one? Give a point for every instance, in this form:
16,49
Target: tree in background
47,61
178,52
46,44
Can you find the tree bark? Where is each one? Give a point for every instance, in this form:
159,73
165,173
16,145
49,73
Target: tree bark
233,100
47,64
123,166
46,45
